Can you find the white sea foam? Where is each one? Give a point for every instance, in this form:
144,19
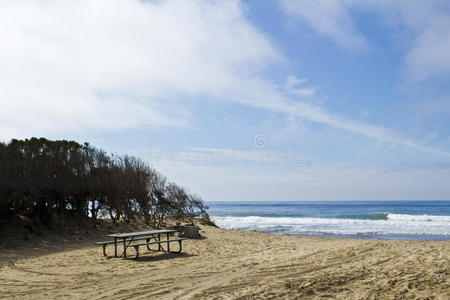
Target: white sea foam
421,218
395,224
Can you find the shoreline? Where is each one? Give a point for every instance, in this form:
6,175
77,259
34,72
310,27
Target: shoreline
381,237
421,220
374,237
230,264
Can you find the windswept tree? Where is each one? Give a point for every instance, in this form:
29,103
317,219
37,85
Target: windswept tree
45,179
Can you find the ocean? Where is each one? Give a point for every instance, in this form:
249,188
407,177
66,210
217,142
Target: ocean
405,220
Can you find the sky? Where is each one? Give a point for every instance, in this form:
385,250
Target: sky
241,100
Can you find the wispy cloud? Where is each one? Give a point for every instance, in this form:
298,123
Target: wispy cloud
339,182
272,97
223,157
434,108
427,21
292,81
430,54
110,65
295,86
330,19
68,66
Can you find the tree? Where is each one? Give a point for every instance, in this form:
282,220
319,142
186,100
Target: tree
45,179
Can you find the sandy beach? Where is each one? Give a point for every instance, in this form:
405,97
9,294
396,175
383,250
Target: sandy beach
228,264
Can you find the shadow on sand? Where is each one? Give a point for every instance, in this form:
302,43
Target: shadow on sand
147,257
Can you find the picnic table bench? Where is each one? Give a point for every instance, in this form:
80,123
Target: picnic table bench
151,237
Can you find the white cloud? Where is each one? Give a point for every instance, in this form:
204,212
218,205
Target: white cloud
104,65
428,54
292,87
328,18
293,81
304,92
434,108
257,175
262,95
342,182
71,65
222,157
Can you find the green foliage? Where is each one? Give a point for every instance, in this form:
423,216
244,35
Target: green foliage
42,179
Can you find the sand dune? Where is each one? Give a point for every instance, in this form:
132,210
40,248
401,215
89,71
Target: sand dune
229,264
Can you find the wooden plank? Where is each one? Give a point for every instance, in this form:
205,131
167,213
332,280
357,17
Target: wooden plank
136,239
104,243
154,243
138,233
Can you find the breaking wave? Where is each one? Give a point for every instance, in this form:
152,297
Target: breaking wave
377,224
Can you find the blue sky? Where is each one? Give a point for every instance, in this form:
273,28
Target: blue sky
242,100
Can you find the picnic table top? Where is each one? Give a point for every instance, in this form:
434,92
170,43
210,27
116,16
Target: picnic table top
138,233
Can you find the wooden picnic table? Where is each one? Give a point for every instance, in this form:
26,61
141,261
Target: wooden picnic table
149,235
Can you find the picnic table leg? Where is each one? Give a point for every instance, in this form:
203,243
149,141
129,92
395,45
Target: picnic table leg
179,243
137,251
115,246
159,244
124,248
168,243
179,248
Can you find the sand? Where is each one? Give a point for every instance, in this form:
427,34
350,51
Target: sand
229,264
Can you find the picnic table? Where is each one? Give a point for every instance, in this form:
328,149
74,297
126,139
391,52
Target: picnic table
151,237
